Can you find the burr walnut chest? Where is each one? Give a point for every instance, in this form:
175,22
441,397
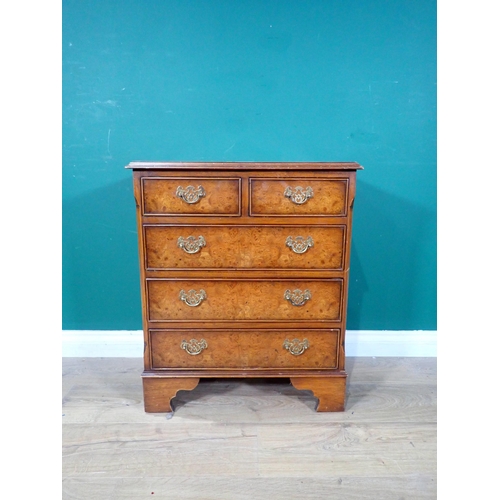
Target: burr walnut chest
244,273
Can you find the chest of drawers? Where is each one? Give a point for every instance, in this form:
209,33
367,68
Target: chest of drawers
244,273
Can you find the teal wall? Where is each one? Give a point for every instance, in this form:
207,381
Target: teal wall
255,80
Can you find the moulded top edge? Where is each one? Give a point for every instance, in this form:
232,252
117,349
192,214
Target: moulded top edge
146,165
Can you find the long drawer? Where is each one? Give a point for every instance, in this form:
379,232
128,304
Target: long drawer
244,247
245,350
244,299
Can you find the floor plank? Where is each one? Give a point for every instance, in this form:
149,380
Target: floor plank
189,487
250,438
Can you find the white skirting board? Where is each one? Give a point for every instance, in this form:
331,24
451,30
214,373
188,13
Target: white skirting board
130,344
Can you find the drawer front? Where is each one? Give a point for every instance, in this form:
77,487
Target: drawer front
205,247
228,300
191,196
235,349
298,197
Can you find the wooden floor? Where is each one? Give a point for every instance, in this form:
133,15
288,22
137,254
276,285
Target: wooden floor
250,439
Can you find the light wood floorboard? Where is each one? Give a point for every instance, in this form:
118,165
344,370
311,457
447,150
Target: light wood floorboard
250,439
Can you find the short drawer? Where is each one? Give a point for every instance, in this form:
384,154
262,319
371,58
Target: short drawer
308,349
191,196
245,299
292,197
244,247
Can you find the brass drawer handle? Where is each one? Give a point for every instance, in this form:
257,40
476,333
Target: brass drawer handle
192,298
300,195
190,194
299,244
191,244
194,347
296,347
297,297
